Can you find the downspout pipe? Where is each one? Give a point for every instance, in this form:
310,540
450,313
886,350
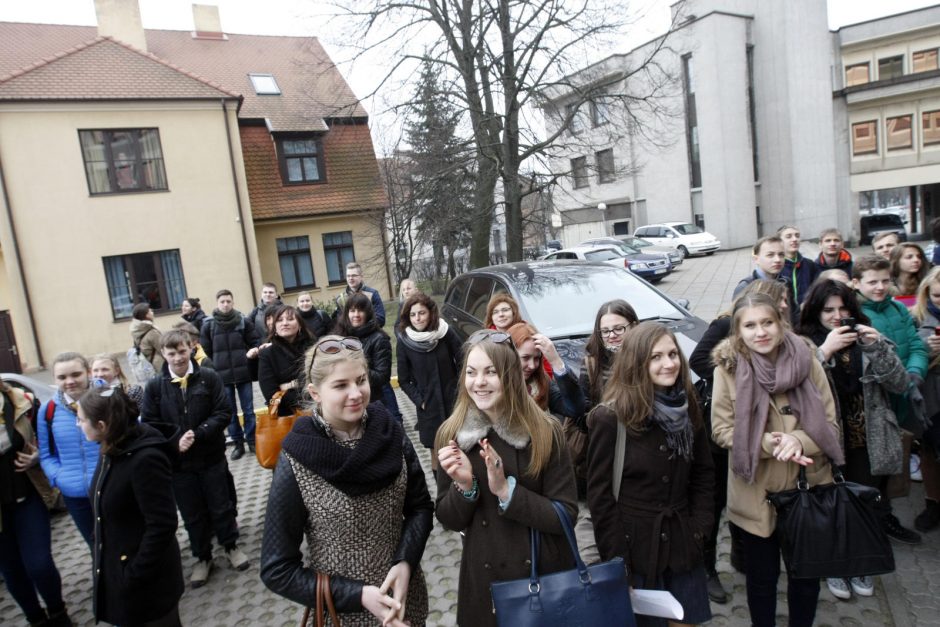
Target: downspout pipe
238,197
19,265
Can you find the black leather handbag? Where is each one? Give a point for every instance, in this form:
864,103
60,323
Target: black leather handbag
587,595
831,530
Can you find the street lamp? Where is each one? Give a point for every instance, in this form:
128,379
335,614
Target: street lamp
602,207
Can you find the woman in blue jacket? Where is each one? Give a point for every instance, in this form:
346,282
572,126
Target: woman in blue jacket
67,458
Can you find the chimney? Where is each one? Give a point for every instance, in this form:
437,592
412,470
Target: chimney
207,22
120,19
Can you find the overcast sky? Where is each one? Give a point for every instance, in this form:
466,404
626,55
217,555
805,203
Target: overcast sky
307,17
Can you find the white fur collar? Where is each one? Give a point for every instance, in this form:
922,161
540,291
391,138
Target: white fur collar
476,426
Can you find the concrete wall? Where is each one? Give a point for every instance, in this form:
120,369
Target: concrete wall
64,231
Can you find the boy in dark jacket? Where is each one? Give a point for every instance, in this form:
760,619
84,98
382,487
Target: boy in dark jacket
833,255
191,399
230,340
798,271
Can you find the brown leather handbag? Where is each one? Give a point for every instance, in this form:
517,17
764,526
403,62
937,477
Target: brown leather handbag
324,598
270,430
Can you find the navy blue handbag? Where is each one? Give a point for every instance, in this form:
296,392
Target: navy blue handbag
588,595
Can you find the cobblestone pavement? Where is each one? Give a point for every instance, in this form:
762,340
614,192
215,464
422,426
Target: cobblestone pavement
911,596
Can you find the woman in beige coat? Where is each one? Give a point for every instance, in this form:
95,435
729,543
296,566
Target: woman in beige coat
773,408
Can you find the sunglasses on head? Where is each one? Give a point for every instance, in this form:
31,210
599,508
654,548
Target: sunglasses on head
331,347
497,337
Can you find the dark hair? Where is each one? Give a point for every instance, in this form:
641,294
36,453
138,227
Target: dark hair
276,311
595,353
359,302
420,298
193,302
868,263
115,409
140,311
934,226
175,339
816,300
222,293
905,284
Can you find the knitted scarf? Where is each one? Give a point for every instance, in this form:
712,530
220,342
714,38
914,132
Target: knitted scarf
372,465
226,321
671,414
423,341
756,379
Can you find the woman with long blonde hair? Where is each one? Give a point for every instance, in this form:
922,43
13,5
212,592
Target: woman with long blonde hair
504,461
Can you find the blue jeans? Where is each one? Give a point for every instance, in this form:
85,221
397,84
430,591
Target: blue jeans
26,557
81,513
246,399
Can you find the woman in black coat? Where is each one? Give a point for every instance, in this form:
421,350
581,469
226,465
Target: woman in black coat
358,320
192,312
280,365
138,577
428,362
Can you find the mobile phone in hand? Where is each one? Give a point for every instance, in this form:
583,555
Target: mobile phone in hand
848,322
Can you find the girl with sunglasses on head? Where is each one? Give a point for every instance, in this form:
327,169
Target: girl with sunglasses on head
358,320
503,460
772,407
350,483
138,575
428,362
659,515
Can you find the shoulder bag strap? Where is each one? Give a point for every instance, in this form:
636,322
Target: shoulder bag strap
619,452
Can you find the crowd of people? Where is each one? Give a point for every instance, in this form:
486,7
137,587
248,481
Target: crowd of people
832,361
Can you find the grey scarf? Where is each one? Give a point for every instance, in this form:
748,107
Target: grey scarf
671,414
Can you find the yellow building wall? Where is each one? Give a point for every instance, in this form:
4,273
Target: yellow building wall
367,246
64,232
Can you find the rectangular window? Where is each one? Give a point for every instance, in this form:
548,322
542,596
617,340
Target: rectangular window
925,60
576,125
579,172
264,84
898,132
338,250
856,74
691,123
931,122
605,166
293,255
600,112
890,67
864,138
301,160
155,278
123,161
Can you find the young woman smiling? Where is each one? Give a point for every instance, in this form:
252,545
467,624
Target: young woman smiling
358,320
662,512
503,460
350,482
908,268
428,361
771,406
613,320
280,365
560,394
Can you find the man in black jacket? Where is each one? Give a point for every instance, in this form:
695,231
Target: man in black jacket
230,340
269,299
191,399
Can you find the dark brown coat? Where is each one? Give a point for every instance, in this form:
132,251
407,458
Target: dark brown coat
496,544
664,511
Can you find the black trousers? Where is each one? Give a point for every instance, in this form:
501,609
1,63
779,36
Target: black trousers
720,459
763,571
206,505
858,469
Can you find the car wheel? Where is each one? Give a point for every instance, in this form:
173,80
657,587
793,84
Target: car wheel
711,253
683,251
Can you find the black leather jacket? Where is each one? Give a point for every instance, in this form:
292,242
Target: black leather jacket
282,568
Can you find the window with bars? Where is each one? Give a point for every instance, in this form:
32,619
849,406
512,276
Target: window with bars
123,161
293,255
155,278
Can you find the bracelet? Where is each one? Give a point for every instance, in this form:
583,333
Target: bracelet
470,494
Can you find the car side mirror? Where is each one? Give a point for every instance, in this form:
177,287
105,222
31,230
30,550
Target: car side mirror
671,235
683,302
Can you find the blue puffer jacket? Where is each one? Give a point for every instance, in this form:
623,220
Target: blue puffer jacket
73,465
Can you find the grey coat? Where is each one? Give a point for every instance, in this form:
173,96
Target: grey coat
931,387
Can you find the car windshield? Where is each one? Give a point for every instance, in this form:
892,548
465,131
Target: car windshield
602,255
687,229
552,294
636,242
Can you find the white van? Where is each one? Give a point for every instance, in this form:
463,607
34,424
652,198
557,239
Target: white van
686,238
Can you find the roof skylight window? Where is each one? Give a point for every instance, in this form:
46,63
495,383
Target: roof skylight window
264,84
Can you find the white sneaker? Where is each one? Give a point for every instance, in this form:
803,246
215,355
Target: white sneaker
200,573
839,588
915,468
862,586
237,558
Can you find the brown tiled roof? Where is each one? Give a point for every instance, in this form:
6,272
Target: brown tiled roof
87,72
312,88
352,175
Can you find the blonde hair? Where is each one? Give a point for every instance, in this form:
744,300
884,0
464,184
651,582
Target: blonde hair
748,302
517,410
115,364
318,365
919,310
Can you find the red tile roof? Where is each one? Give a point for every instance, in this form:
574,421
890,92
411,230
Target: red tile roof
86,72
312,88
352,175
